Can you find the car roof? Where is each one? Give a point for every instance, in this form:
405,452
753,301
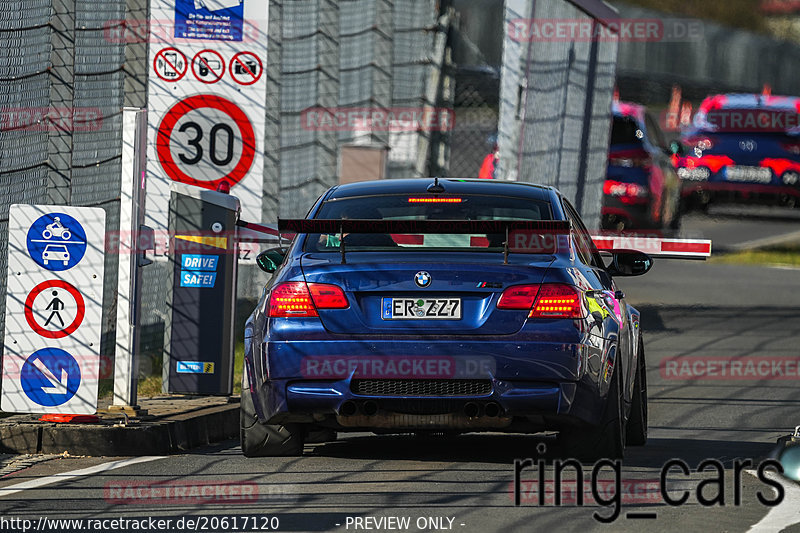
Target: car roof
451,186
628,109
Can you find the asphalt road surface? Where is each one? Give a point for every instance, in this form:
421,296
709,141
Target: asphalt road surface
693,312
734,227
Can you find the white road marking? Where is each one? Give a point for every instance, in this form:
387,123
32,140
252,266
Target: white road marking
784,267
55,478
767,241
781,516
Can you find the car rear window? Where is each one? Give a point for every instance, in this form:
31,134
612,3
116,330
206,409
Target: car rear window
424,207
625,130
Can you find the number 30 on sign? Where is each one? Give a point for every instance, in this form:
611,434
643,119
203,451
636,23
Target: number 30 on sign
206,140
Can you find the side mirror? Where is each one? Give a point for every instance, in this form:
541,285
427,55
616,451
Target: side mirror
676,147
629,264
270,260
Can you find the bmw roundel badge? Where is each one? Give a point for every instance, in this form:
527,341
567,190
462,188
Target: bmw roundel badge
422,279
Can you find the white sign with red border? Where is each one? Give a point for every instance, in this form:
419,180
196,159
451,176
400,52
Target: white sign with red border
208,66
206,115
54,309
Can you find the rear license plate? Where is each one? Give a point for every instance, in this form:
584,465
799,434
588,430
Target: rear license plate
742,173
421,308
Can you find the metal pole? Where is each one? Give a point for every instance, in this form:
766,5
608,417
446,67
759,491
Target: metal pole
588,110
130,254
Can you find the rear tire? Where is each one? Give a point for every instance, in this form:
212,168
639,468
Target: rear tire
604,441
267,440
636,431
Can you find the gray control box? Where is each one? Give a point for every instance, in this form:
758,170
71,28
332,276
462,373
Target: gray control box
199,336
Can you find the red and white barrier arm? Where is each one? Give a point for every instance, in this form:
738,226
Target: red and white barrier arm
653,246
656,247
266,233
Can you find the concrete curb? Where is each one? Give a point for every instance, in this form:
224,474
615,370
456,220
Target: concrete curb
158,436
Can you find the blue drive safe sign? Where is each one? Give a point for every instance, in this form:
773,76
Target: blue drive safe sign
199,270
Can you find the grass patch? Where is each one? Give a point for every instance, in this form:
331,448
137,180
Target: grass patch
785,255
151,385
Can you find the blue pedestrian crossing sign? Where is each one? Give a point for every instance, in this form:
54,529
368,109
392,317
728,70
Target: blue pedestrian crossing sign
56,241
50,377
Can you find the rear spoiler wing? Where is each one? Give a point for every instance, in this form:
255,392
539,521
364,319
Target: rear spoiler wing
653,246
539,228
462,227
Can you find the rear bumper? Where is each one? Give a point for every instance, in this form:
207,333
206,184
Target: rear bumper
546,384
512,399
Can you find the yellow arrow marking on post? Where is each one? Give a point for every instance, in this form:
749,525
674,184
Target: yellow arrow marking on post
216,242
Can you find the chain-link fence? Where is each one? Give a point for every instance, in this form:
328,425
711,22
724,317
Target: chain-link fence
62,88
555,103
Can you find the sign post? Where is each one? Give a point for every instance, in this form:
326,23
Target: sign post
54,309
130,245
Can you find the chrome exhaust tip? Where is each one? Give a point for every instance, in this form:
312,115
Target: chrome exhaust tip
348,408
492,409
370,408
471,410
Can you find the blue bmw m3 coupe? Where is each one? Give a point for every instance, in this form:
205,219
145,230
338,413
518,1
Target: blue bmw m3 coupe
453,306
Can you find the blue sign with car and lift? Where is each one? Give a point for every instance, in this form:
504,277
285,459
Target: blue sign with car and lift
56,241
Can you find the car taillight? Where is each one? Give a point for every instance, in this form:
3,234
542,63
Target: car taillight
618,188
792,148
328,296
550,300
298,299
557,301
518,297
291,299
700,142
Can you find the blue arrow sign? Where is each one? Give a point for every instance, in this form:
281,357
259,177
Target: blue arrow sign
50,377
56,242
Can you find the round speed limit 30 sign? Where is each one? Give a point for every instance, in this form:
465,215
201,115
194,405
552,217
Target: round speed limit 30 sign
205,140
